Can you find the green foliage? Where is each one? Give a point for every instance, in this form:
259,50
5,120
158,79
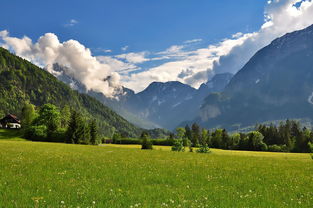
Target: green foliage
203,149
146,142
277,148
65,116
178,146
28,115
49,115
93,132
180,133
78,131
116,138
195,135
36,133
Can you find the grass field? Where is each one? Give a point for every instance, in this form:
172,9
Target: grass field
34,174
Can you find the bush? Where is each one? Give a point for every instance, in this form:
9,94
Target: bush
277,148
178,145
203,149
36,133
58,136
146,144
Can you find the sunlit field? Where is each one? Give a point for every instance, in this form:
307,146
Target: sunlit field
34,174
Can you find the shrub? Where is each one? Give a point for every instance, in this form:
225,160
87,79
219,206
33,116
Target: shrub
146,144
277,148
58,136
203,149
178,145
36,133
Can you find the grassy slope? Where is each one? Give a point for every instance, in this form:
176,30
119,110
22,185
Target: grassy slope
15,135
59,175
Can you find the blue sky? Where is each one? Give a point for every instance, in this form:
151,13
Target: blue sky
139,24
136,42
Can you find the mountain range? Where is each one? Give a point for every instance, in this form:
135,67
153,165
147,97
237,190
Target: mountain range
276,84
160,105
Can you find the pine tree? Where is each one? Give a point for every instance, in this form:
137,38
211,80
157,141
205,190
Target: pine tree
195,134
93,132
73,127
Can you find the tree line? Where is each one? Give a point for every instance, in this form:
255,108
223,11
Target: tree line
49,123
288,136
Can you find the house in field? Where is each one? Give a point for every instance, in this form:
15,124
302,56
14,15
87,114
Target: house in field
10,122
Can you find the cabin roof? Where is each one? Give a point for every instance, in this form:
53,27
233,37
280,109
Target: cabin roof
10,116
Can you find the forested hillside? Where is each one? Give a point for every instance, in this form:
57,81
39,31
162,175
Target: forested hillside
22,82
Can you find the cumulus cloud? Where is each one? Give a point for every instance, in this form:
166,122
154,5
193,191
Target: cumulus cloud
77,59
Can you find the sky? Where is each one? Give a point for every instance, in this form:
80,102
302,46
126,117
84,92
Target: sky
112,43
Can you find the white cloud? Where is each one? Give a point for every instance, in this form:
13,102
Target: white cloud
124,48
135,58
71,23
193,41
229,55
179,62
78,60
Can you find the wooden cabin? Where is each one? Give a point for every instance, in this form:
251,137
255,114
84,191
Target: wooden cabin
10,122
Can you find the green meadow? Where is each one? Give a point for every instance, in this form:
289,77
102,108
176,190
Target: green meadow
37,174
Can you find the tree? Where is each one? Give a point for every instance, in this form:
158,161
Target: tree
195,129
217,138
234,141
146,142
178,146
255,141
188,133
65,116
73,126
181,132
28,115
49,115
93,132
116,137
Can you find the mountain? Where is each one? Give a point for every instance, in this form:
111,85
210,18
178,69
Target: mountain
160,105
276,84
118,105
170,103
22,81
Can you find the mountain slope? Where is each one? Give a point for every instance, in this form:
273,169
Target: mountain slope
170,103
276,83
118,105
21,81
